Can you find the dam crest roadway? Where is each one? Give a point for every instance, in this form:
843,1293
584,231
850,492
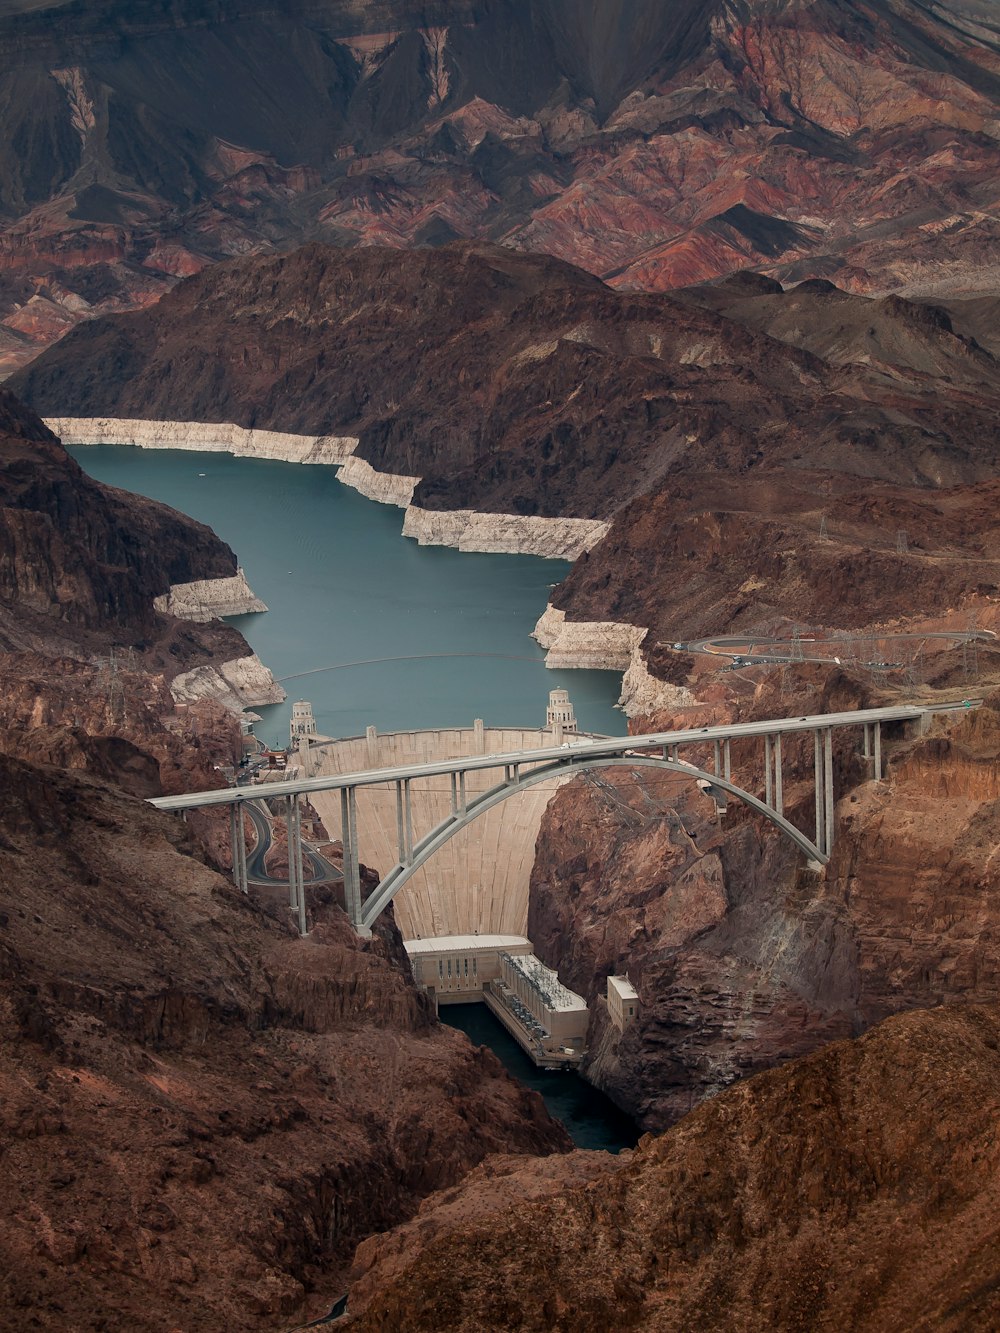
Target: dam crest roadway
524,768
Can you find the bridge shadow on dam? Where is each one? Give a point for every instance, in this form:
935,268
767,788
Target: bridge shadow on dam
591,1120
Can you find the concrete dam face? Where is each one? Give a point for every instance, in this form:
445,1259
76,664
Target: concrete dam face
477,882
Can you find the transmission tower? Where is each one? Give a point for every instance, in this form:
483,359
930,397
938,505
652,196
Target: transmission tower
823,534
970,651
902,542
111,683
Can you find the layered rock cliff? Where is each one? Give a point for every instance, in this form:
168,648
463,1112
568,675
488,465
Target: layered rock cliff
656,145
80,559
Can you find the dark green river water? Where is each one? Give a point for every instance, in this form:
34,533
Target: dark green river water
344,587
591,1119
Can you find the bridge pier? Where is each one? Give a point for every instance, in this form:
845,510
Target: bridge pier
404,820
349,839
296,875
774,794
237,840
820,838
779,794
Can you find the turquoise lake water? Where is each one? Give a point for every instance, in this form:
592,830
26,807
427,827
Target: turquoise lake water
343,586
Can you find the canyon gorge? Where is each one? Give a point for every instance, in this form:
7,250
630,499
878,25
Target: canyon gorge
701,297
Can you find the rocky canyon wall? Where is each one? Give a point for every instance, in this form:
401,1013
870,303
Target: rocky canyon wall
850,1189
743,957
202,1113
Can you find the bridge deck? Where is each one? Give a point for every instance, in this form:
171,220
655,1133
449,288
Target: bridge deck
613,745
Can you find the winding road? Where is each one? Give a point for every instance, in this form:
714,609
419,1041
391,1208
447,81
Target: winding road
322,869
746,648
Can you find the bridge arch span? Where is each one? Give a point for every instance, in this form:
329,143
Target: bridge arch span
443,832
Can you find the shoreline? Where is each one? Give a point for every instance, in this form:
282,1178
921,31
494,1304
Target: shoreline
460,529
594,645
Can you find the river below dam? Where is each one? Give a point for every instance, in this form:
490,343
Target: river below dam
591,1119
436,637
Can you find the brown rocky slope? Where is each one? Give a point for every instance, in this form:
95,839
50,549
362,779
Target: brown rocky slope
855,1188
80,563
202,1114
744,957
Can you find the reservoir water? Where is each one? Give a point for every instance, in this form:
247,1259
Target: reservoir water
344,587
590,1118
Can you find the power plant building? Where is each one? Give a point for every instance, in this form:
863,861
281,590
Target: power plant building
455,969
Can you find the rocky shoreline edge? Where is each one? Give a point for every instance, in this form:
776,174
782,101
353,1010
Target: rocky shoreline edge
587,645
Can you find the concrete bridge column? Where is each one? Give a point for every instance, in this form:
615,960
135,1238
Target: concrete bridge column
352,867
877,728
457,800
779,796
768,798
404,820
293,881
296,876
727,760
820,838
828,786
239,846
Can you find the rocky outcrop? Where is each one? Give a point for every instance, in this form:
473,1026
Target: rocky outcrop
83,564
204,437
852,1189
207,599
508,534
386,488
594,645
242,683
644,694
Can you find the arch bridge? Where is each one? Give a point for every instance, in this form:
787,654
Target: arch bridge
521,769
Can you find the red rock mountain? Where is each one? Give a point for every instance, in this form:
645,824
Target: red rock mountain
654,144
